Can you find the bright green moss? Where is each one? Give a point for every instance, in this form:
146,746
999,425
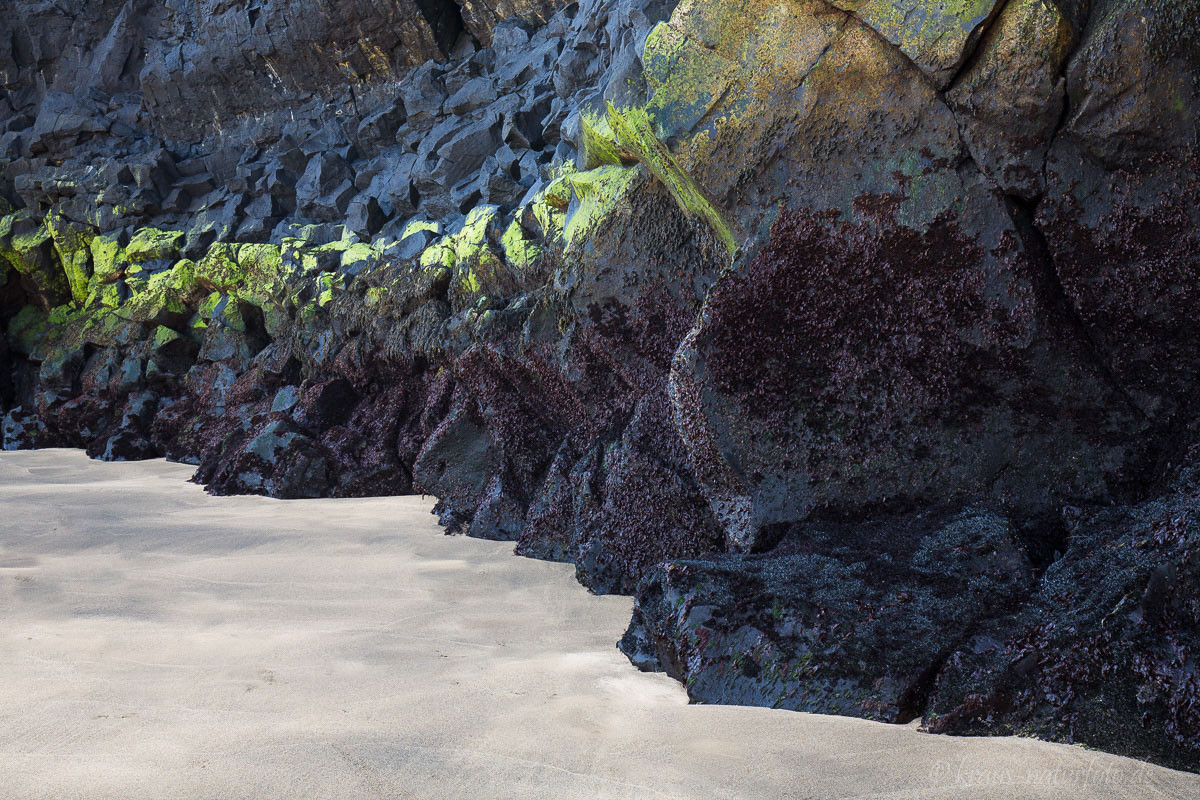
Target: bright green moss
109,259
418,225
598,140
474,259
72,243
18,248
636,134
23,246
152,303
438,254
519,251
597,193
208,306
262,261
64,315
149,244
180,279
261,267
470,243
163,336
308,314
30,239
298,258
228,314
219,268
102,295
470,281
329,285
467,251
358,253
557,194
254,271
7,221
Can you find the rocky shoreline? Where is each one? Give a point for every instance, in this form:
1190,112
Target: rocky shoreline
859,349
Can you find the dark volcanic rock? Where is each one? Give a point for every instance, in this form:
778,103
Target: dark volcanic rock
854,337
1104,652
894,372
837,619
455,465
1121,213
275,458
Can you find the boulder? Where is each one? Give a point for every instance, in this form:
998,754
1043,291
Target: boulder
837,619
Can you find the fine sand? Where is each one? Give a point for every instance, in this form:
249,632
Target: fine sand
159,643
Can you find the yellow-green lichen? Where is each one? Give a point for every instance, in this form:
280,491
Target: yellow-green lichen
474,258
359,253
103,295
261,266
519,251
596,193
219,269
24,245
636,134
467,251
72,244
163,336
598,140
685,79
933,33
438,254
109,259
419,225
149,244
151,303
329,286
180,278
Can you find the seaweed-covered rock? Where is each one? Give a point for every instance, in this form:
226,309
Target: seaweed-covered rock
276,459
837,619
1123,198
1104,652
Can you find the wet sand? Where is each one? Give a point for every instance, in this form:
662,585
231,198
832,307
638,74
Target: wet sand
156,642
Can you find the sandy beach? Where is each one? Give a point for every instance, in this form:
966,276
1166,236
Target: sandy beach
156,642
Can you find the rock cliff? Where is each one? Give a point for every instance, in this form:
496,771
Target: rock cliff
855,338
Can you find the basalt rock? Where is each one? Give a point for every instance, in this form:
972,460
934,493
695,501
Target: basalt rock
853,338
806,626
1104,652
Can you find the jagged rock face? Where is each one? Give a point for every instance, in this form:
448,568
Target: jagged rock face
898,368
209,63
802,628
912,342
1011,99
1103,652
201,67
1122,198
853,338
